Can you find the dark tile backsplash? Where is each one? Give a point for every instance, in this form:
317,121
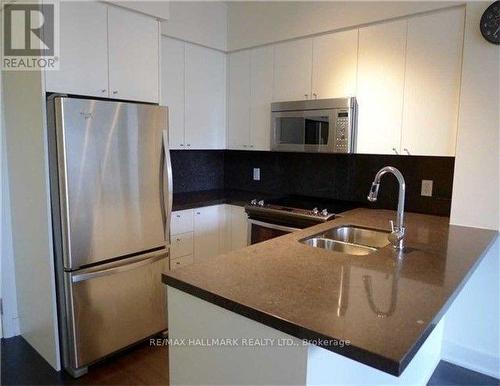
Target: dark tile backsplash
336,176
194,170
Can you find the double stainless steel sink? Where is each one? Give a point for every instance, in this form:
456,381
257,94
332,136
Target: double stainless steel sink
349,239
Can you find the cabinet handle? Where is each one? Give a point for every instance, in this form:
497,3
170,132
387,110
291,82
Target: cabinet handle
115,92
306,95
406,150
178,239
251,145
103,90
197,212
244,145
315,96
178,215
395,151
181,144
188,144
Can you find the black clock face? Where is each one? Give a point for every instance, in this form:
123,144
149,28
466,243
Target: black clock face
490,23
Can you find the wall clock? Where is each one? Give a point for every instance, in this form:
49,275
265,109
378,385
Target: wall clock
490,23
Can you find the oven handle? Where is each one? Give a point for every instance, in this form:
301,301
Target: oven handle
273,226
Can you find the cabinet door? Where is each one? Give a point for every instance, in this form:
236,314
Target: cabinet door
172,89
205,111
239,227
335,58
83,66
432,83
206,232
238,134
181,222
292,70
261,81
182,245
133,55
381,65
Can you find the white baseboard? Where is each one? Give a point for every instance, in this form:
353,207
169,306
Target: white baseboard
471,359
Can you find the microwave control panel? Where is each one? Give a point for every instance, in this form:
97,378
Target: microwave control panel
342,143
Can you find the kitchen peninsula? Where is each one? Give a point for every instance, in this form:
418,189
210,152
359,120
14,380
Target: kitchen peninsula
340,318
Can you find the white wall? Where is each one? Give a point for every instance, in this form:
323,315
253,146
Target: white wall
201,22
472,337
26,143
7,277
260,22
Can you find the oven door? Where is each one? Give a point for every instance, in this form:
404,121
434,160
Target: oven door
305,131
259,231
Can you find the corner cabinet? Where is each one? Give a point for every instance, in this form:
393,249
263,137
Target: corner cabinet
205,98
200,233
193,86
106,51
249,99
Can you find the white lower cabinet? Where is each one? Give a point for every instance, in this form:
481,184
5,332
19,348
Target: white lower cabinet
201,233
206,232
181,245
181,261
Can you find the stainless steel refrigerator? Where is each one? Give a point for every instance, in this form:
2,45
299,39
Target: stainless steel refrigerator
111,192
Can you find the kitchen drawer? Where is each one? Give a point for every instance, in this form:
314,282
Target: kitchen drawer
182,245
181,262
182,222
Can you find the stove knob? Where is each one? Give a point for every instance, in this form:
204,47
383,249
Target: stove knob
324,213
261,203
253,202
315,211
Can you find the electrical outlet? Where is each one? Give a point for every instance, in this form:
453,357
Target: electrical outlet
426,189
256,174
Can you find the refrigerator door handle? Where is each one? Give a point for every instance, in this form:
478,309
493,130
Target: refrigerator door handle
166,187
122,266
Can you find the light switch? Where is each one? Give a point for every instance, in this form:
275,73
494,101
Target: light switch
426,189
256,174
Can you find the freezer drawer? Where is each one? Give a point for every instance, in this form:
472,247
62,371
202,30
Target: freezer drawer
115,306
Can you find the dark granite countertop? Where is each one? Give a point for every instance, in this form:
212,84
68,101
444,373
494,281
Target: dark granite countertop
189,200
316,294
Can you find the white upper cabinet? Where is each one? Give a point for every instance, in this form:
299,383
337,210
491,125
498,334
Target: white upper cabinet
133,55
381,66
249,100
432,83
205,88
172,89
292,70
261,96
83,66
334,65
239,100
106,52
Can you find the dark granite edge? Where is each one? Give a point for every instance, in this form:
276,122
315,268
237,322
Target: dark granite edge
446,306
387,365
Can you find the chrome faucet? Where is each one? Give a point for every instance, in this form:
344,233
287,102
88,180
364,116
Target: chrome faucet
397,231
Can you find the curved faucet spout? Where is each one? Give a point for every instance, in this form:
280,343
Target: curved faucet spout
398,231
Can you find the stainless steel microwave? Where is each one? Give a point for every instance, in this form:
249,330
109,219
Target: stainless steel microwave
318,125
